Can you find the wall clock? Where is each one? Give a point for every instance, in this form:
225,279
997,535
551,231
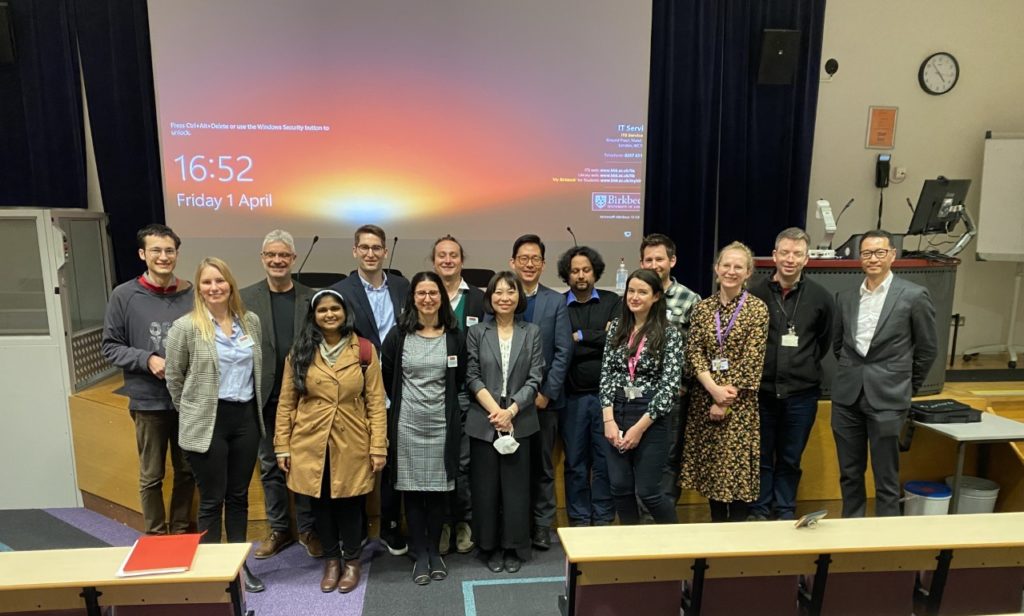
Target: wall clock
939,73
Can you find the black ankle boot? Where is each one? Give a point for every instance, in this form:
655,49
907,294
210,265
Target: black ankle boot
252,583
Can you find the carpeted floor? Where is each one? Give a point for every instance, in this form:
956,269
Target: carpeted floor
293,578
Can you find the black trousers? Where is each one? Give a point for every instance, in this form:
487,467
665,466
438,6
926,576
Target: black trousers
855,428
501,496
424,514
275,488
338,521
224,470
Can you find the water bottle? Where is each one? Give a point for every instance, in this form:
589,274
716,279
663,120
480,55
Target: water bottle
621,275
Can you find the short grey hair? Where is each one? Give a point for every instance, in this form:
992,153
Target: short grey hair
280,235
793,233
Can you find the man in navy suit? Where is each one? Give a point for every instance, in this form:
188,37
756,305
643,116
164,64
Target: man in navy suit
546,308
375,299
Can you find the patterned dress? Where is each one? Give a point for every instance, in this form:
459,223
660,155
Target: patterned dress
421,432
658,377
721,459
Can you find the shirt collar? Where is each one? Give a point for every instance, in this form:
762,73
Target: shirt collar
463,285
370,287
775,284
882,288
571,297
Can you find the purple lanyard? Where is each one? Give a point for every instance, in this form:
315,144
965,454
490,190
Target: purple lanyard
732,321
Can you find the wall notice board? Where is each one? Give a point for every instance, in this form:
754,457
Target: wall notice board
1001,215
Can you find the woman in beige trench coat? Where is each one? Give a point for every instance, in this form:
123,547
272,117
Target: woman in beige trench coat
331,432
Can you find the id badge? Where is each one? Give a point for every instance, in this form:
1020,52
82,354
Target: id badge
453,361
471,321
245,341
790,340
720,364
632,393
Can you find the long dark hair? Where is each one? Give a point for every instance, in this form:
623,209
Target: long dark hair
307,345
409,322
655,325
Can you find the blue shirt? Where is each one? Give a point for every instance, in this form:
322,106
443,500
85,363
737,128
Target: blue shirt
235,364
380,304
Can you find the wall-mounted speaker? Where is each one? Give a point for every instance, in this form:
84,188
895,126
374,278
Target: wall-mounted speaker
780,50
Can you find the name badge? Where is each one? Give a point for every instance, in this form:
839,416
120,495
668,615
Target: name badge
453,361
790,340
471,321
719,364
632,393
245,341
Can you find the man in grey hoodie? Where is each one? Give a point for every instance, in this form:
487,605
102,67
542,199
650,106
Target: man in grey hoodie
139,314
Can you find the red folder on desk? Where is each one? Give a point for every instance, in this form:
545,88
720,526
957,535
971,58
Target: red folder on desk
153,554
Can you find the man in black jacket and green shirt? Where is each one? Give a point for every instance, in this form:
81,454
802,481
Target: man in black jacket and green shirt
799,334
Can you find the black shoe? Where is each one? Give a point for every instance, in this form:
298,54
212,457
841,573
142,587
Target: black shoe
252,583
542,538
393,540
438,568
512,562
421,573
494,561
757,517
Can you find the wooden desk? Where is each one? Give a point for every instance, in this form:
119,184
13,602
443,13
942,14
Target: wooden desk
73,579
631,554
991,429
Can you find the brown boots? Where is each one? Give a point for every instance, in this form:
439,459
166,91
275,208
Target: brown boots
350,576
332,573
344,578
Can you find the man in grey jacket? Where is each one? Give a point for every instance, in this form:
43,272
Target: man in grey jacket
281,304
139,314
885,343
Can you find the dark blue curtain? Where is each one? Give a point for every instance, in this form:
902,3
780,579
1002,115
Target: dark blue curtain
42,147
727,159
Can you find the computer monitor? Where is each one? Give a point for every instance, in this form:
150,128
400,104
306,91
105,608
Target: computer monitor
939,207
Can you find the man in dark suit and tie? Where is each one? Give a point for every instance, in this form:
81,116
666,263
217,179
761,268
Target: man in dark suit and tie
281,305
885,343
376,299
545,308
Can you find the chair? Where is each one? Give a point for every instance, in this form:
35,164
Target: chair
885,593
318,280
765,595
477,277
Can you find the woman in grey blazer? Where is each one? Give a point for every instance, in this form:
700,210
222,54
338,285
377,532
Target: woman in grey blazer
213,359
504,368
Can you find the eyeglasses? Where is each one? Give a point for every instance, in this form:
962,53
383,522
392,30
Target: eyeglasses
529,260
277,255
366,248
426,294
878,253
156,252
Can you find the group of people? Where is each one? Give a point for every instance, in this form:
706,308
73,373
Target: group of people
457,395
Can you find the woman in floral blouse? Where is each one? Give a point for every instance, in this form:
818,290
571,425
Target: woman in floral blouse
640,375
726,353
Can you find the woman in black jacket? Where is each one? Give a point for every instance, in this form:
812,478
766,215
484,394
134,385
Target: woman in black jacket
424,365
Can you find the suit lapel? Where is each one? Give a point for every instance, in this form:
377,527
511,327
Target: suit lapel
518,334
542,304
895,290
363,305
490,338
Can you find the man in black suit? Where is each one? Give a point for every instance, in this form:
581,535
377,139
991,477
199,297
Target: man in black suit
281,305
376,299
885,342
545,308
468,305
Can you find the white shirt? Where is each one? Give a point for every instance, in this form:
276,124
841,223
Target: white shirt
871,303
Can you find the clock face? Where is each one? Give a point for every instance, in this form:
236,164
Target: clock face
939,73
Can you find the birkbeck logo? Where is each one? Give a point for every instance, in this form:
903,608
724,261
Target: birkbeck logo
608,201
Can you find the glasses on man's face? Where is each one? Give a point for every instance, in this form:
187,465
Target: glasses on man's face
156,252
426,294
878,253
366,249
277,255
529,260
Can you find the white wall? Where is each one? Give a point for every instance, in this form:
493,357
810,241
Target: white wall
880,45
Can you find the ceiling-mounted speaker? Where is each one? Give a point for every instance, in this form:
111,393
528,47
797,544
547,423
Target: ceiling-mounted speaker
780,50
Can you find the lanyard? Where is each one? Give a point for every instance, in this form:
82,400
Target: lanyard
632,361
732,321
790,321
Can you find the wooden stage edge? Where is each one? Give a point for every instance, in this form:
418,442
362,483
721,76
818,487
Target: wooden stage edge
109,480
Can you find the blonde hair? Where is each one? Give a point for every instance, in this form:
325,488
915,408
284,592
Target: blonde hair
200,314
740,247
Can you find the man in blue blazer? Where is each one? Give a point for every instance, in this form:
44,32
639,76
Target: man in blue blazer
545,308
885,343
376,299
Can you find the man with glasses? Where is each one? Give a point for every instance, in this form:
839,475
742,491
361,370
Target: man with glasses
138,316
885,343
546,308
375,299
799,334
281,305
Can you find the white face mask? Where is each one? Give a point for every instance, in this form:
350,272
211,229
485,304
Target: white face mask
506,444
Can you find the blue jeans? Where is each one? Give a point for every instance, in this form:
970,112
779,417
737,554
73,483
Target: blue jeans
637,473
588,497
785,427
